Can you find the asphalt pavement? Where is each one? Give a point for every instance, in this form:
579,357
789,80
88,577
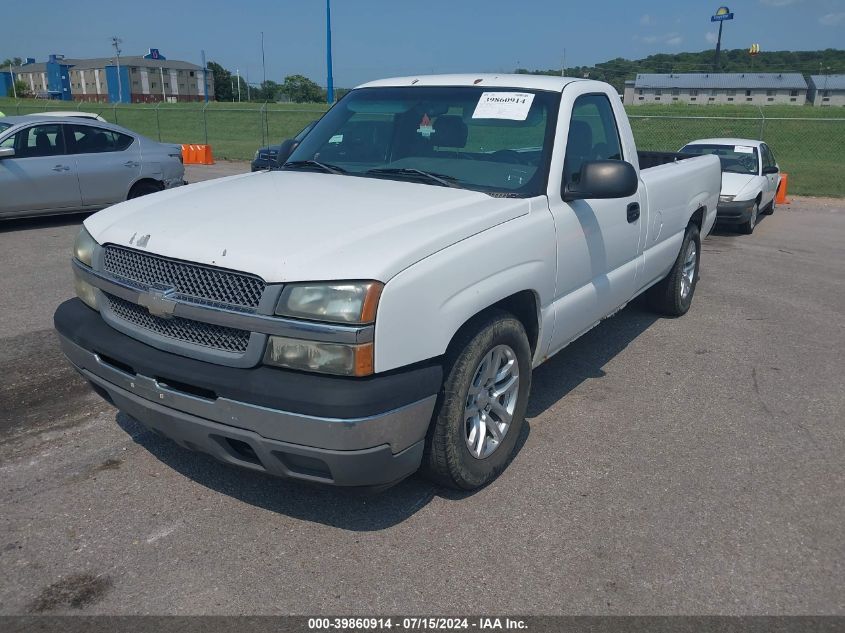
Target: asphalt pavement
670,466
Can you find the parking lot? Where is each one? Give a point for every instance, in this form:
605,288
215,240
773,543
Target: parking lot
688,466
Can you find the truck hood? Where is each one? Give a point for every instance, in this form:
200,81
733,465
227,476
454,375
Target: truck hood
736,184
303,226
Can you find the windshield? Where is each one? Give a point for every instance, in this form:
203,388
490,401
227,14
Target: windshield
738,159
491,140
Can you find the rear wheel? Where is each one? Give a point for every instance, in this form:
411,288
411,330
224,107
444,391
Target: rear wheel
142,189
748,227
672,296
481,408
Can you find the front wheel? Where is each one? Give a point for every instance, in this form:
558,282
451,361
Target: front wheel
481,408
672,295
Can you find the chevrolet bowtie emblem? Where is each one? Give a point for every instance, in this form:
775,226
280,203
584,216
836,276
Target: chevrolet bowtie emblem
158,302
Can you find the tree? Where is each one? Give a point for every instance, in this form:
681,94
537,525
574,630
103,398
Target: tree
21,89
222,82
300,89
268,91
14,61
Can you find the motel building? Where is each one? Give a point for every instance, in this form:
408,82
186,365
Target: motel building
758,89
827,90
137,79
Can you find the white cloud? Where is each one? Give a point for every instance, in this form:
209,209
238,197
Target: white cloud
669,39
647,20
711,37
832,19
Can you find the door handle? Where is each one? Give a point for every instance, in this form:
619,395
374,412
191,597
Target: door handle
61,168
633,212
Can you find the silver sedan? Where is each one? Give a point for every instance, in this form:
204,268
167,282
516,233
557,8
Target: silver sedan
52,165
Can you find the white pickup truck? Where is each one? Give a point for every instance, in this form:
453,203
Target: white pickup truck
376,304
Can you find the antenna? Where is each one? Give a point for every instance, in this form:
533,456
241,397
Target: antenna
116,42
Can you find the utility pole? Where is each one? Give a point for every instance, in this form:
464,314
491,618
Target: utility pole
163,93
238,73
204,76
263,67
116,42
722,14
14,87
330,82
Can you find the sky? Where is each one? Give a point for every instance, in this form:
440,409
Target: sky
382,38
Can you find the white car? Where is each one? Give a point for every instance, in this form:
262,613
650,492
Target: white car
377,303
750,178
72,114
51,165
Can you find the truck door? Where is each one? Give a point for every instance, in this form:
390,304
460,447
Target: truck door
598,240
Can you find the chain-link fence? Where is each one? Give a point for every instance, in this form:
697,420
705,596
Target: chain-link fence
810,149
234,131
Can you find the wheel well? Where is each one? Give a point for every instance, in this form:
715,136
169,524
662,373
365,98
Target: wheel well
698,218
147,181
523,305
759,197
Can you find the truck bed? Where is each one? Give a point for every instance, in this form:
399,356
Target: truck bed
655,159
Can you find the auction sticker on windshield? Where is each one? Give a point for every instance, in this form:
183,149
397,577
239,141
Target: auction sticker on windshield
503,105
743,149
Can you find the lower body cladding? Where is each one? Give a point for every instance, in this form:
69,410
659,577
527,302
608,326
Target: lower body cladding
333,430
737,212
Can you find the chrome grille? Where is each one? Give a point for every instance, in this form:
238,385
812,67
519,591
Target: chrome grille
185,330
190,282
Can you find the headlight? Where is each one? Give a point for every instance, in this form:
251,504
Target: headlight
83,247
341,302
726,198
85,291
326,358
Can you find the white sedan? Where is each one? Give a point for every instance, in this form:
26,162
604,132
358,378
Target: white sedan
750,177
52,165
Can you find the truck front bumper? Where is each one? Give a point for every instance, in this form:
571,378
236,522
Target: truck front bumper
333,430
736,212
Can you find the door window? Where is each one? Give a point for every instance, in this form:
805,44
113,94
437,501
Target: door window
768,157
38,140
87,139
593,135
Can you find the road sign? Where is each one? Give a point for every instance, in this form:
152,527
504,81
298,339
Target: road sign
722,13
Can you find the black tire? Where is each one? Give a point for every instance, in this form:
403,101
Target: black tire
748,227
770,208
447,459
142,189
667,296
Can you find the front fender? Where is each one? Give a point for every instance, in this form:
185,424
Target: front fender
423,307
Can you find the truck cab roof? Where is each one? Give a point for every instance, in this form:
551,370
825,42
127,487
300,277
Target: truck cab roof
500,80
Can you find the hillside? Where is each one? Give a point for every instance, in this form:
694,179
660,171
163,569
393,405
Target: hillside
616,71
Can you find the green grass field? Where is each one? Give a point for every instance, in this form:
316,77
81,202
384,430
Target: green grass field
809,148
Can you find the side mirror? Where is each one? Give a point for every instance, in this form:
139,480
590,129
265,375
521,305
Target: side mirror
773,169
7,152
603,179
285,150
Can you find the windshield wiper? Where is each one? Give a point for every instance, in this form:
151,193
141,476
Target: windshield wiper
441,179
329,169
